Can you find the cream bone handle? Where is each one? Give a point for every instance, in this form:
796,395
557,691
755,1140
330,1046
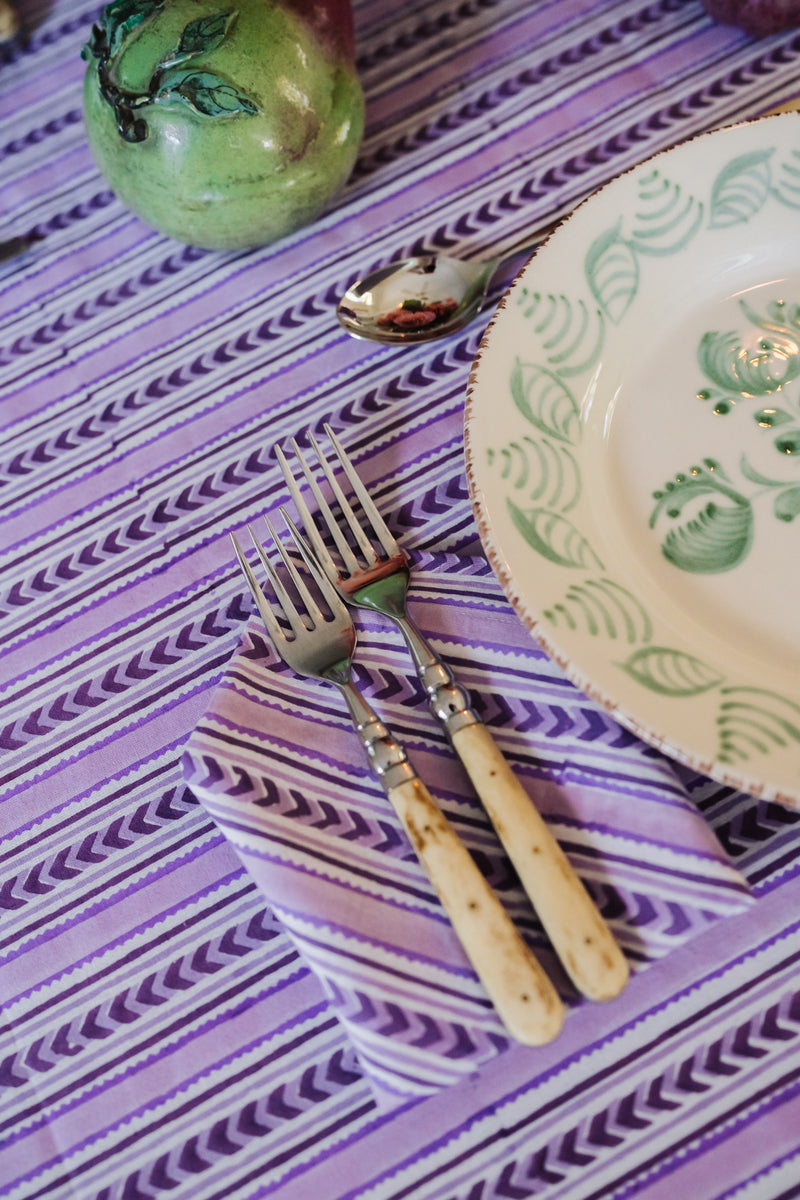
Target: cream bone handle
522,994
578,933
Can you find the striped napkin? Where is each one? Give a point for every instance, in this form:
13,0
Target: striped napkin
277,765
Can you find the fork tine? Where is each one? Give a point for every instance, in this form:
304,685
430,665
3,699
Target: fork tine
312,607
352,521
379,526
284,599
312,533
325,512
262,604
324,584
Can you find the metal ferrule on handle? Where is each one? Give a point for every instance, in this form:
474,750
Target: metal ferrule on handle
386,757
448,701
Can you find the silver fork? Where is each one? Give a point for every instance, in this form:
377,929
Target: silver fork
379,581
321,645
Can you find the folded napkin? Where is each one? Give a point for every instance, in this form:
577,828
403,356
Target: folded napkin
276,763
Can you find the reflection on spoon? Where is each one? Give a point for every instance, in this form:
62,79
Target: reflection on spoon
423,298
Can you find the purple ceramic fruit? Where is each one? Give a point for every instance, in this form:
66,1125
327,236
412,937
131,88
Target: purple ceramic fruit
224,125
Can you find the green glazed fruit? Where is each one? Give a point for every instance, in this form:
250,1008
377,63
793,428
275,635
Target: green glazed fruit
224,126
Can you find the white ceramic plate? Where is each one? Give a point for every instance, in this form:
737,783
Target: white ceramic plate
633,451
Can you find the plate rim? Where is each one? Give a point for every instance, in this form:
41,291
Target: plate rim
707,765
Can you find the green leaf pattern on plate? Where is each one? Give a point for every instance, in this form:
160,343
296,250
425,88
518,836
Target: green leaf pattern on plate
571,334
553,536
754,720
746,371
787,182
714,515
545,400
603,606
665,221
612,271
542,471
717,533
671,672
667,218
741,189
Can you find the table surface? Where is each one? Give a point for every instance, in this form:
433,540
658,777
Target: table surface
162,1035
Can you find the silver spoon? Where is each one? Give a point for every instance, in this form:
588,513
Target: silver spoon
423,298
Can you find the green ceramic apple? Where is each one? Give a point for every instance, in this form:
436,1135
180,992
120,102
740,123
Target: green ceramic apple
224,125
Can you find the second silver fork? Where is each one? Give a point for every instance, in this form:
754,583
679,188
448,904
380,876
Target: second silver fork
379,581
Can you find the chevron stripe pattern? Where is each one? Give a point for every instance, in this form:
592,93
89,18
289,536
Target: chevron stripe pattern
61,1053
313,831
222,973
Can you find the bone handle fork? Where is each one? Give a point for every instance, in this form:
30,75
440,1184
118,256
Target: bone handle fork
378,580
320,642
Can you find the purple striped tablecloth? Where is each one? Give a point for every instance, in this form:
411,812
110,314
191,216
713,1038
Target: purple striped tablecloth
172,1025
277,767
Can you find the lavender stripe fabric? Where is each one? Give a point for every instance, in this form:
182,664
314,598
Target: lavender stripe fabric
276,765
164,1031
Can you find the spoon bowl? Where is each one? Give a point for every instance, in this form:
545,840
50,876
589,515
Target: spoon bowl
423,298
416,300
